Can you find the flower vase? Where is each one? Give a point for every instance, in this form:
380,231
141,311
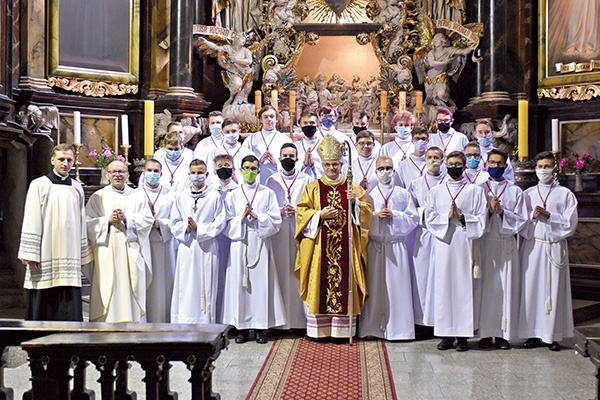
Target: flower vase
578,183
103,178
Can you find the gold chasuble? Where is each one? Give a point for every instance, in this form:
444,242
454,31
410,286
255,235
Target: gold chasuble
322,262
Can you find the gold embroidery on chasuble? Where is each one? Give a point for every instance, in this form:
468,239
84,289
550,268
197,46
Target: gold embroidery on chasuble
333,252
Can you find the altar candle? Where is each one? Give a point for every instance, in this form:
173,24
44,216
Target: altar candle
257,101
418,102
274,99
555,139
292,101
383,102
148,128
523,127
125,130
402,101
77,127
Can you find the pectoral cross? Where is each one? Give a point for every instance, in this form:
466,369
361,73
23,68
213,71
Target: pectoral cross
171,181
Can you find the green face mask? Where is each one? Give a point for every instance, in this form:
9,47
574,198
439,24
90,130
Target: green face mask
249,175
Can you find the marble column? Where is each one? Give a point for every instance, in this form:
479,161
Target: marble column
33,43
180,64
495,45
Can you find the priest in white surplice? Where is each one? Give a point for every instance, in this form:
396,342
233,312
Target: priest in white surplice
546,309
252,294
363,164
162,244
119,224
54,242
388,312
456,214
288,186
500,272
198,216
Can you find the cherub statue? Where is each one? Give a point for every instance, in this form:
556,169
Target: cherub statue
236,60
283,11
41,119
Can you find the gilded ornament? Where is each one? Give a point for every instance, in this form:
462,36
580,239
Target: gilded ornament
330,149
89,87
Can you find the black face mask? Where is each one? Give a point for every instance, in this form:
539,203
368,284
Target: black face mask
357,129
309,130
224,173
444,127
288,164
455,172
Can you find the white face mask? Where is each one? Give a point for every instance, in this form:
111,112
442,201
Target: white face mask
231,138
545,175
215,130
384,176
197,179
421,145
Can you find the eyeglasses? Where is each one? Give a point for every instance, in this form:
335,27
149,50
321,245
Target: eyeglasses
250,168
366,144
385,168
447,120
496,163
473,155
331,165
117,172
456,165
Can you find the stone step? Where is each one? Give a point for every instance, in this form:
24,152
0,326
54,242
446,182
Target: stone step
11,298
7,278
584,310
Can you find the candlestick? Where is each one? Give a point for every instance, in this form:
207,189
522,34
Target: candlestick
292,101
77,147
77,127
383,102
523,126
418,102
555,137
125,151
148,128
125,130
257,101
274,99
402,100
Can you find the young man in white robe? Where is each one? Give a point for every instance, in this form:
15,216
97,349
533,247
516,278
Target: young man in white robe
363,163
360,122
423,258
413,166
308,157
175,127
198,217
447,138
388,312
456,214
402,146
484,134
500,272
288,186
231,146
118,226
54,242
475,173
546,312
328,115
252,295
213,141
266,143
175,162
162,244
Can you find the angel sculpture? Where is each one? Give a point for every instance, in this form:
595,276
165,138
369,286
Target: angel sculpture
442,62
236,60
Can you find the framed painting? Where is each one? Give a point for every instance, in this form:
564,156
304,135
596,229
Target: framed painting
94,130
94,40
582,137
569,47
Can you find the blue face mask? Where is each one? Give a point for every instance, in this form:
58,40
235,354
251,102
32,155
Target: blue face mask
215,130
403,132
496,172
327,122
473,162
484,141
151,178
173,155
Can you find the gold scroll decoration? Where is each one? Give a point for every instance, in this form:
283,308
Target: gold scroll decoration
90,87
574,92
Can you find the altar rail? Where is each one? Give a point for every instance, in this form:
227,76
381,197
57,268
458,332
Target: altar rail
56,347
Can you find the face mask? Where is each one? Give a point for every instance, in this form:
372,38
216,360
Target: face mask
484,141
224,173
215,130
403,132
473,162
496,172
327,122
357,129
384,176
151,178
288,164
197,179
232,138
444,127
173,155
249,175
545,175
455,172
433,166
421,146
309,130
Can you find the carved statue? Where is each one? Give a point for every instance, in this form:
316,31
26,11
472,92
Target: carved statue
282,12
39,119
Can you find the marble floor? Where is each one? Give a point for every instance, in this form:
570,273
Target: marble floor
420,372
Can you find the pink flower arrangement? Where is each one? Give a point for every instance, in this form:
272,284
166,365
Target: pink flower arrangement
106,156
579,164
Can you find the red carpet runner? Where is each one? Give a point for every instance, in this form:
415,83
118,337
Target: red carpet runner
299,369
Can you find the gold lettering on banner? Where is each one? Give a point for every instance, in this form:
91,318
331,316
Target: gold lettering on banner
586,66
90,87
212,30
462,31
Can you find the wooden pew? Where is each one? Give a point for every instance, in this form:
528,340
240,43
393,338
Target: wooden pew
14,332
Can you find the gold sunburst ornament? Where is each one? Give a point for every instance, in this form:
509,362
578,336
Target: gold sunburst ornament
330,11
